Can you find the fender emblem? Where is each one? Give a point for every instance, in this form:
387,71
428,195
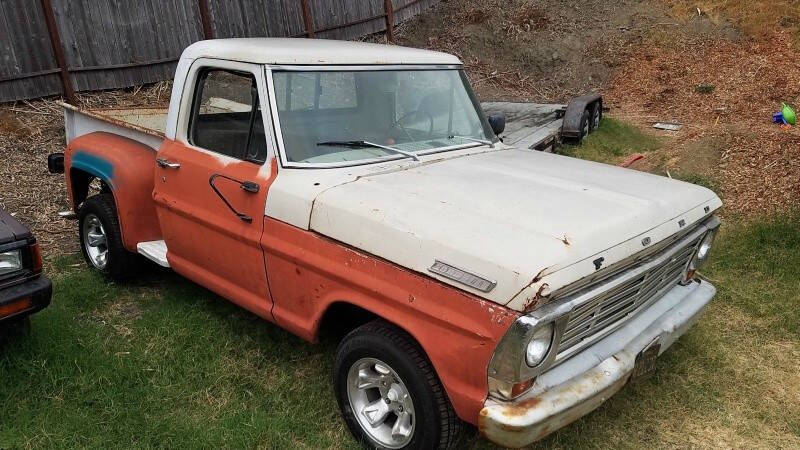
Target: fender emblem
462,276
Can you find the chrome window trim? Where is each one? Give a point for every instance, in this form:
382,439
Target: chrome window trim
184,114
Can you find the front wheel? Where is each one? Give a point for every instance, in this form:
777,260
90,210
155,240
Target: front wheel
101,239
388,392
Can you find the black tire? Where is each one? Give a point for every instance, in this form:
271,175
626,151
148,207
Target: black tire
595,116
120,263
585,127
436,424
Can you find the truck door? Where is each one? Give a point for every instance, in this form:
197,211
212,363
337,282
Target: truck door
211,183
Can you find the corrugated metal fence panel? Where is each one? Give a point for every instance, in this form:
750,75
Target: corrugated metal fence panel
25,50
120,43
109,44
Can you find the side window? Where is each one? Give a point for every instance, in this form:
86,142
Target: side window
226,116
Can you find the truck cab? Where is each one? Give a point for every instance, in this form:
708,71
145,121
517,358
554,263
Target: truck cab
315,182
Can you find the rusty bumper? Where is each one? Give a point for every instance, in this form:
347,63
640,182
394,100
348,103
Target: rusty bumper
574,388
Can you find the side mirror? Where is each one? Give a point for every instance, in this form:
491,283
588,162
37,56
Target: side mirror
55,162
497,122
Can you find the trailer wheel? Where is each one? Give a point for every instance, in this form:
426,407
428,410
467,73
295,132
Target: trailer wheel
585,125
101,239
596,114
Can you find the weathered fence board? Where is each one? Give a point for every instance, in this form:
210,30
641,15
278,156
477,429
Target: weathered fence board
27,64
119,43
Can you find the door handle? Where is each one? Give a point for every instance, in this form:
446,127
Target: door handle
164,164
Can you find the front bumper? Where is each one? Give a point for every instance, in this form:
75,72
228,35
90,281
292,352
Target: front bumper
25,298
576,387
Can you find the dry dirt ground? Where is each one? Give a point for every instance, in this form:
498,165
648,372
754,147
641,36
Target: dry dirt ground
29,131
719,68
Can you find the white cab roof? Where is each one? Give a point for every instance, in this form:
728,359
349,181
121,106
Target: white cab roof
290,51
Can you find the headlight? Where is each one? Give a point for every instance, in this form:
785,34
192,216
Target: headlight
700,256
10,262
527,349
539,345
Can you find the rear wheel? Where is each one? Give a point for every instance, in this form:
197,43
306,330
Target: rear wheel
101,239
595,115
388,392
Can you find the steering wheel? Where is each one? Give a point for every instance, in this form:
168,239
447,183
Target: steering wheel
398,123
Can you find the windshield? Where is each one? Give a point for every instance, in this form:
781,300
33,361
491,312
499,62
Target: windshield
411,111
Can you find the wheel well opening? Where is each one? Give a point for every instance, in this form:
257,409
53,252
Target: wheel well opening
341,318
83,183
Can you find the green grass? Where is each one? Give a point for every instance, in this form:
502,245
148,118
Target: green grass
162,362
612,141
698,179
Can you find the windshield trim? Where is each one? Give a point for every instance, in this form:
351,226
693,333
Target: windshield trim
276,125
361,67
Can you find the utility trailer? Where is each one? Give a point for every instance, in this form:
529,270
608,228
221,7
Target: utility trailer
542,127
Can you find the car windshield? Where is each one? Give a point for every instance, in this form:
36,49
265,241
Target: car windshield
410,111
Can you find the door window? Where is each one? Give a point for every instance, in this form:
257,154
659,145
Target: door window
226,115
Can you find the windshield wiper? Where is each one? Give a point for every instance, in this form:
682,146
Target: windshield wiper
467,138
362,144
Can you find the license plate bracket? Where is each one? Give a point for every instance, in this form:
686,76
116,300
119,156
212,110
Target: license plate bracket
645,364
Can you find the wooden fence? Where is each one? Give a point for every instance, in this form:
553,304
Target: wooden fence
50,47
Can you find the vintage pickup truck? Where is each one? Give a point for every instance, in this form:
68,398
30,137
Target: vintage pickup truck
320,183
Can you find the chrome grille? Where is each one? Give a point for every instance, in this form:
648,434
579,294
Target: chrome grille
607,311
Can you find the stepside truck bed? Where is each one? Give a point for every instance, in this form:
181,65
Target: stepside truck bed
145,125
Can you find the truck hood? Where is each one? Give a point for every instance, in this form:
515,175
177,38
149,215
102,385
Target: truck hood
514,217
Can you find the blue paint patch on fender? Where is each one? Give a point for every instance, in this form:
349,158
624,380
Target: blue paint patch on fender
94,165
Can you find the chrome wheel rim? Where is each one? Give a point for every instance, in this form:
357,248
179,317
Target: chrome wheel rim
381,402
596,118
95,241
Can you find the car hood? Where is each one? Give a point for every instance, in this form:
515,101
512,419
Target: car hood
514,217
11,230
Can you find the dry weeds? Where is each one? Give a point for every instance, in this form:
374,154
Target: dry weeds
29,131
758,170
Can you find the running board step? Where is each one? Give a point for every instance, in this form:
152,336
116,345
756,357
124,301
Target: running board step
155,251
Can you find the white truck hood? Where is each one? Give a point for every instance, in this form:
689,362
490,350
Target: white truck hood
515,217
